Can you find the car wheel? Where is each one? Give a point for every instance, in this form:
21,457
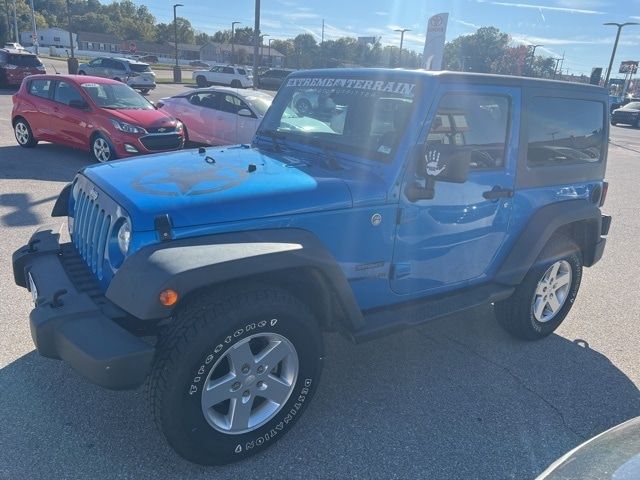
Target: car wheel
117,79
236,84
233,372
614,123
144,91
81,72
101,149
23,134
201,81
545,296
303,106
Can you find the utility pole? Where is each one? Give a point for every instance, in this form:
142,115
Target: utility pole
72,62
177,73
322,45
15,21
256,41
401,30
533,57
615,46
270,60
233,42
555,69
35,30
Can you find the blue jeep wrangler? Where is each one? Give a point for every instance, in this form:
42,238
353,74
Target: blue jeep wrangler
391,199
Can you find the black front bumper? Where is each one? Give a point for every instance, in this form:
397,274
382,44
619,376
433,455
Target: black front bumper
73,321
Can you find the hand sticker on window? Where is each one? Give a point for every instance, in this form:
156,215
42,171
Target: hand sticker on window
433,163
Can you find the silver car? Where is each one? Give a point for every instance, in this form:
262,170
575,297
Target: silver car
136,74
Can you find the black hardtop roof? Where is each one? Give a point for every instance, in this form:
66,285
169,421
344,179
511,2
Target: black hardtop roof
448,77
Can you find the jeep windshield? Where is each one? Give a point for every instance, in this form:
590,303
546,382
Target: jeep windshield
116,96
364,117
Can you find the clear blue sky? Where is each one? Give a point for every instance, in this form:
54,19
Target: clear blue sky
570,26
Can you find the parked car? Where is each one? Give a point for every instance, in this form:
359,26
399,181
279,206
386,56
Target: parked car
199,64
15,65
14,46
218,115
628,115
136,74
103,116
236,77
214,272
148,59
272,79
611,455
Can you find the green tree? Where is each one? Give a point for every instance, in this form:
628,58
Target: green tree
186,34
306,50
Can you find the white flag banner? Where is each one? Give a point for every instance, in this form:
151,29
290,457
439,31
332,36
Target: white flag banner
434,43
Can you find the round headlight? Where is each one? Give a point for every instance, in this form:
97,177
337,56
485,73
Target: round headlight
124,237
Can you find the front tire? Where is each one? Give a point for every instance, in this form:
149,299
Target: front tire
236,84
81,72
144,91
233,373
547,293
23,133
101,149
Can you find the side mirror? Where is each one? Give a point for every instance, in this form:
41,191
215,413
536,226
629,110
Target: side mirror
444,163
79,104
245,112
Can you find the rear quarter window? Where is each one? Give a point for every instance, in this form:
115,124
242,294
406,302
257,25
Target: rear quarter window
137,67
564,131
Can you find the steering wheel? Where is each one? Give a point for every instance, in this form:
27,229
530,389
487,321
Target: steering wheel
483,159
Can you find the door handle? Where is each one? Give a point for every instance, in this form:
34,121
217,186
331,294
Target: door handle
497,192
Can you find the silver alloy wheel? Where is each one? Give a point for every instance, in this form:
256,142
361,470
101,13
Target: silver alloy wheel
101,150
552,291
22,133
244,390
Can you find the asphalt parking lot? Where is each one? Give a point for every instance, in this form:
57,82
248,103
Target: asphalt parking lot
453,399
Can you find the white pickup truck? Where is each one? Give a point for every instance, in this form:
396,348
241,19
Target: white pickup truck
236,77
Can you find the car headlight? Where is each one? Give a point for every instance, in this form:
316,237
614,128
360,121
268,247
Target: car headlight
126,127
124,237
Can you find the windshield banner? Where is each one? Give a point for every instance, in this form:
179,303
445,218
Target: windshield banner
400,88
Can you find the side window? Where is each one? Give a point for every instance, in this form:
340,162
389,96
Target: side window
231,104
228,70
40,88
65,92
205,99
564,131
96,63
116,65
477,123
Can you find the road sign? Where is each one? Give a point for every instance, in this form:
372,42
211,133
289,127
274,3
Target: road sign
629,66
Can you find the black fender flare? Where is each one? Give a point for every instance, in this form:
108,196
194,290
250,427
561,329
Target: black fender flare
543,224
187,265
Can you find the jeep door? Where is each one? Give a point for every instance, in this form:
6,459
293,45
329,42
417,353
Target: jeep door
456,238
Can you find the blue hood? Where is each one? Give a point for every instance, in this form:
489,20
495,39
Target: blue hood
222,185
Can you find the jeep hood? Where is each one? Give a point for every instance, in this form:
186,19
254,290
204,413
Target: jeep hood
222,185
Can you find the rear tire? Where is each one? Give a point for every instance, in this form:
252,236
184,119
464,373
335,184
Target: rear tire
201,81
24,135
236,84
81,72
144,91
541,302
233,372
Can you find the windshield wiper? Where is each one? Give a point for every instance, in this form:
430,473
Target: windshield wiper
328,156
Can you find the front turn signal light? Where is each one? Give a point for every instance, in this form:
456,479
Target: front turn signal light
168,297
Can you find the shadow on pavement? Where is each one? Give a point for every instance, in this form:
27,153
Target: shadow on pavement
21,213
456,399
44,162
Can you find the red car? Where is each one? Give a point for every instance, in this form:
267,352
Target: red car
105,116
17,64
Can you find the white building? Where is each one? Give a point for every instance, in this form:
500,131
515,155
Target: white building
49,37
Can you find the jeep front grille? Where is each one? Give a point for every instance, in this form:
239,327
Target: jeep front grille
90,231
